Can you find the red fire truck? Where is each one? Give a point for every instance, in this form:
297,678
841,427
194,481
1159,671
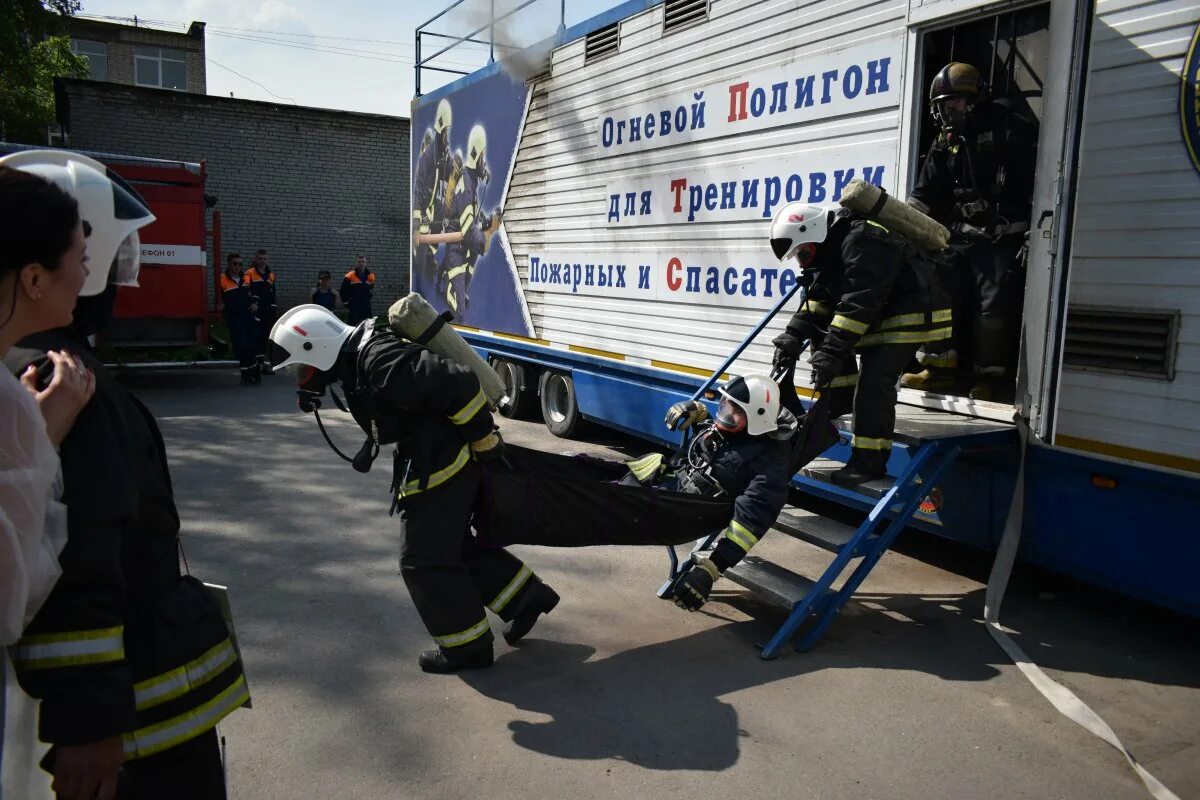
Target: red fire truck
174,301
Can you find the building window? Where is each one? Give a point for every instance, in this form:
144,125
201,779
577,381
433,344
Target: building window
160,67
96,54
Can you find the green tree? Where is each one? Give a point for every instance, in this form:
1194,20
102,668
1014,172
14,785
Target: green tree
34,50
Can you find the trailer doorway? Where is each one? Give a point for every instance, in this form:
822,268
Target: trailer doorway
1011,50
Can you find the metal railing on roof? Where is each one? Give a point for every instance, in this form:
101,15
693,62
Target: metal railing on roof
425,63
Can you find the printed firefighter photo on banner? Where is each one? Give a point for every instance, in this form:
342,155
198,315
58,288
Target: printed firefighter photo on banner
460,258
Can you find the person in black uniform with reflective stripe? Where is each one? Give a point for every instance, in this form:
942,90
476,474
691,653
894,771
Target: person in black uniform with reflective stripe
977,180
435,413
743,454
131,660
870,295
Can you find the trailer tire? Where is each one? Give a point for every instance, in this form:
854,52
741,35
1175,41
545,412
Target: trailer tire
521,392
559,407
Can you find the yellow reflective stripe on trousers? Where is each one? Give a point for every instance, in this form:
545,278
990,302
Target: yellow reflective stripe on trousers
905,337
464,637
169,685
847,324
740,535
844,380
867,443
519,580
901,321
942,315
464,414
439,477
70,649
177,730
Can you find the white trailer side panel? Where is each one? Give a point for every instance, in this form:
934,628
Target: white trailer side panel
559,194
1137,232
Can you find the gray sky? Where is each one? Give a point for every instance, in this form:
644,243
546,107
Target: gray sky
353,54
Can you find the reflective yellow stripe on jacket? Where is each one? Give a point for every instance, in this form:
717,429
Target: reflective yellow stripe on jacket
464,414
180,681
439,477
905,337
70,648
176,730
847,324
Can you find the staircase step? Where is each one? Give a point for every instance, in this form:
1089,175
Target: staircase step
778,586
822,469
808,526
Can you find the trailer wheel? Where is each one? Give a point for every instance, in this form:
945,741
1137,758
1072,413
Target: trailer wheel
522,396
559,409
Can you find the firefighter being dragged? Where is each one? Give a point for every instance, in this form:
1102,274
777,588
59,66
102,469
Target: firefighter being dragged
871,294
132,661
977,179
434,166
465,213
436,415
743,454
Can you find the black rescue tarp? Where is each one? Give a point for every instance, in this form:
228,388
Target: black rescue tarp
575,501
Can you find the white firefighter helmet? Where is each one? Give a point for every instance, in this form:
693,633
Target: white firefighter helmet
110,208
797,229
309,335
442,121
749,403
476,144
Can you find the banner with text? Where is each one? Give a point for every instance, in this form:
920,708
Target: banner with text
749,191
848,81
741,279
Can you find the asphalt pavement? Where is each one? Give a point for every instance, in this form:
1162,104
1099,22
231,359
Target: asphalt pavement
618,694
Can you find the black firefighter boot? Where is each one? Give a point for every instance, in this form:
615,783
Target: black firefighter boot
476,655
540,599
863,466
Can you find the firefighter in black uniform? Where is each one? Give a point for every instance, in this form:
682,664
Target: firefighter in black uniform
434,166
239,308
977,180
743,453
260,278
357,287
131,660
436,415
871,293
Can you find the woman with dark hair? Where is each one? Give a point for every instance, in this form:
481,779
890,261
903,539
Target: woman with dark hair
43,265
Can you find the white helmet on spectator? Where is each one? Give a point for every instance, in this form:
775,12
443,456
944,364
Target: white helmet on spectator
111,210
309,335
797,229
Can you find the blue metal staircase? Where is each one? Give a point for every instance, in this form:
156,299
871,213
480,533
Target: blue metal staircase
931,442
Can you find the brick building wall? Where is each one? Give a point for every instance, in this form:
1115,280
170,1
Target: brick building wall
311,186
122,39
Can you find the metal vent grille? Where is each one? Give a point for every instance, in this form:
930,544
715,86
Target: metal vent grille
681,13
601,43
1122,341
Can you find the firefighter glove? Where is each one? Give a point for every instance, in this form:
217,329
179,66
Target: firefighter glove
821,376
692,592
488,449
685,414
